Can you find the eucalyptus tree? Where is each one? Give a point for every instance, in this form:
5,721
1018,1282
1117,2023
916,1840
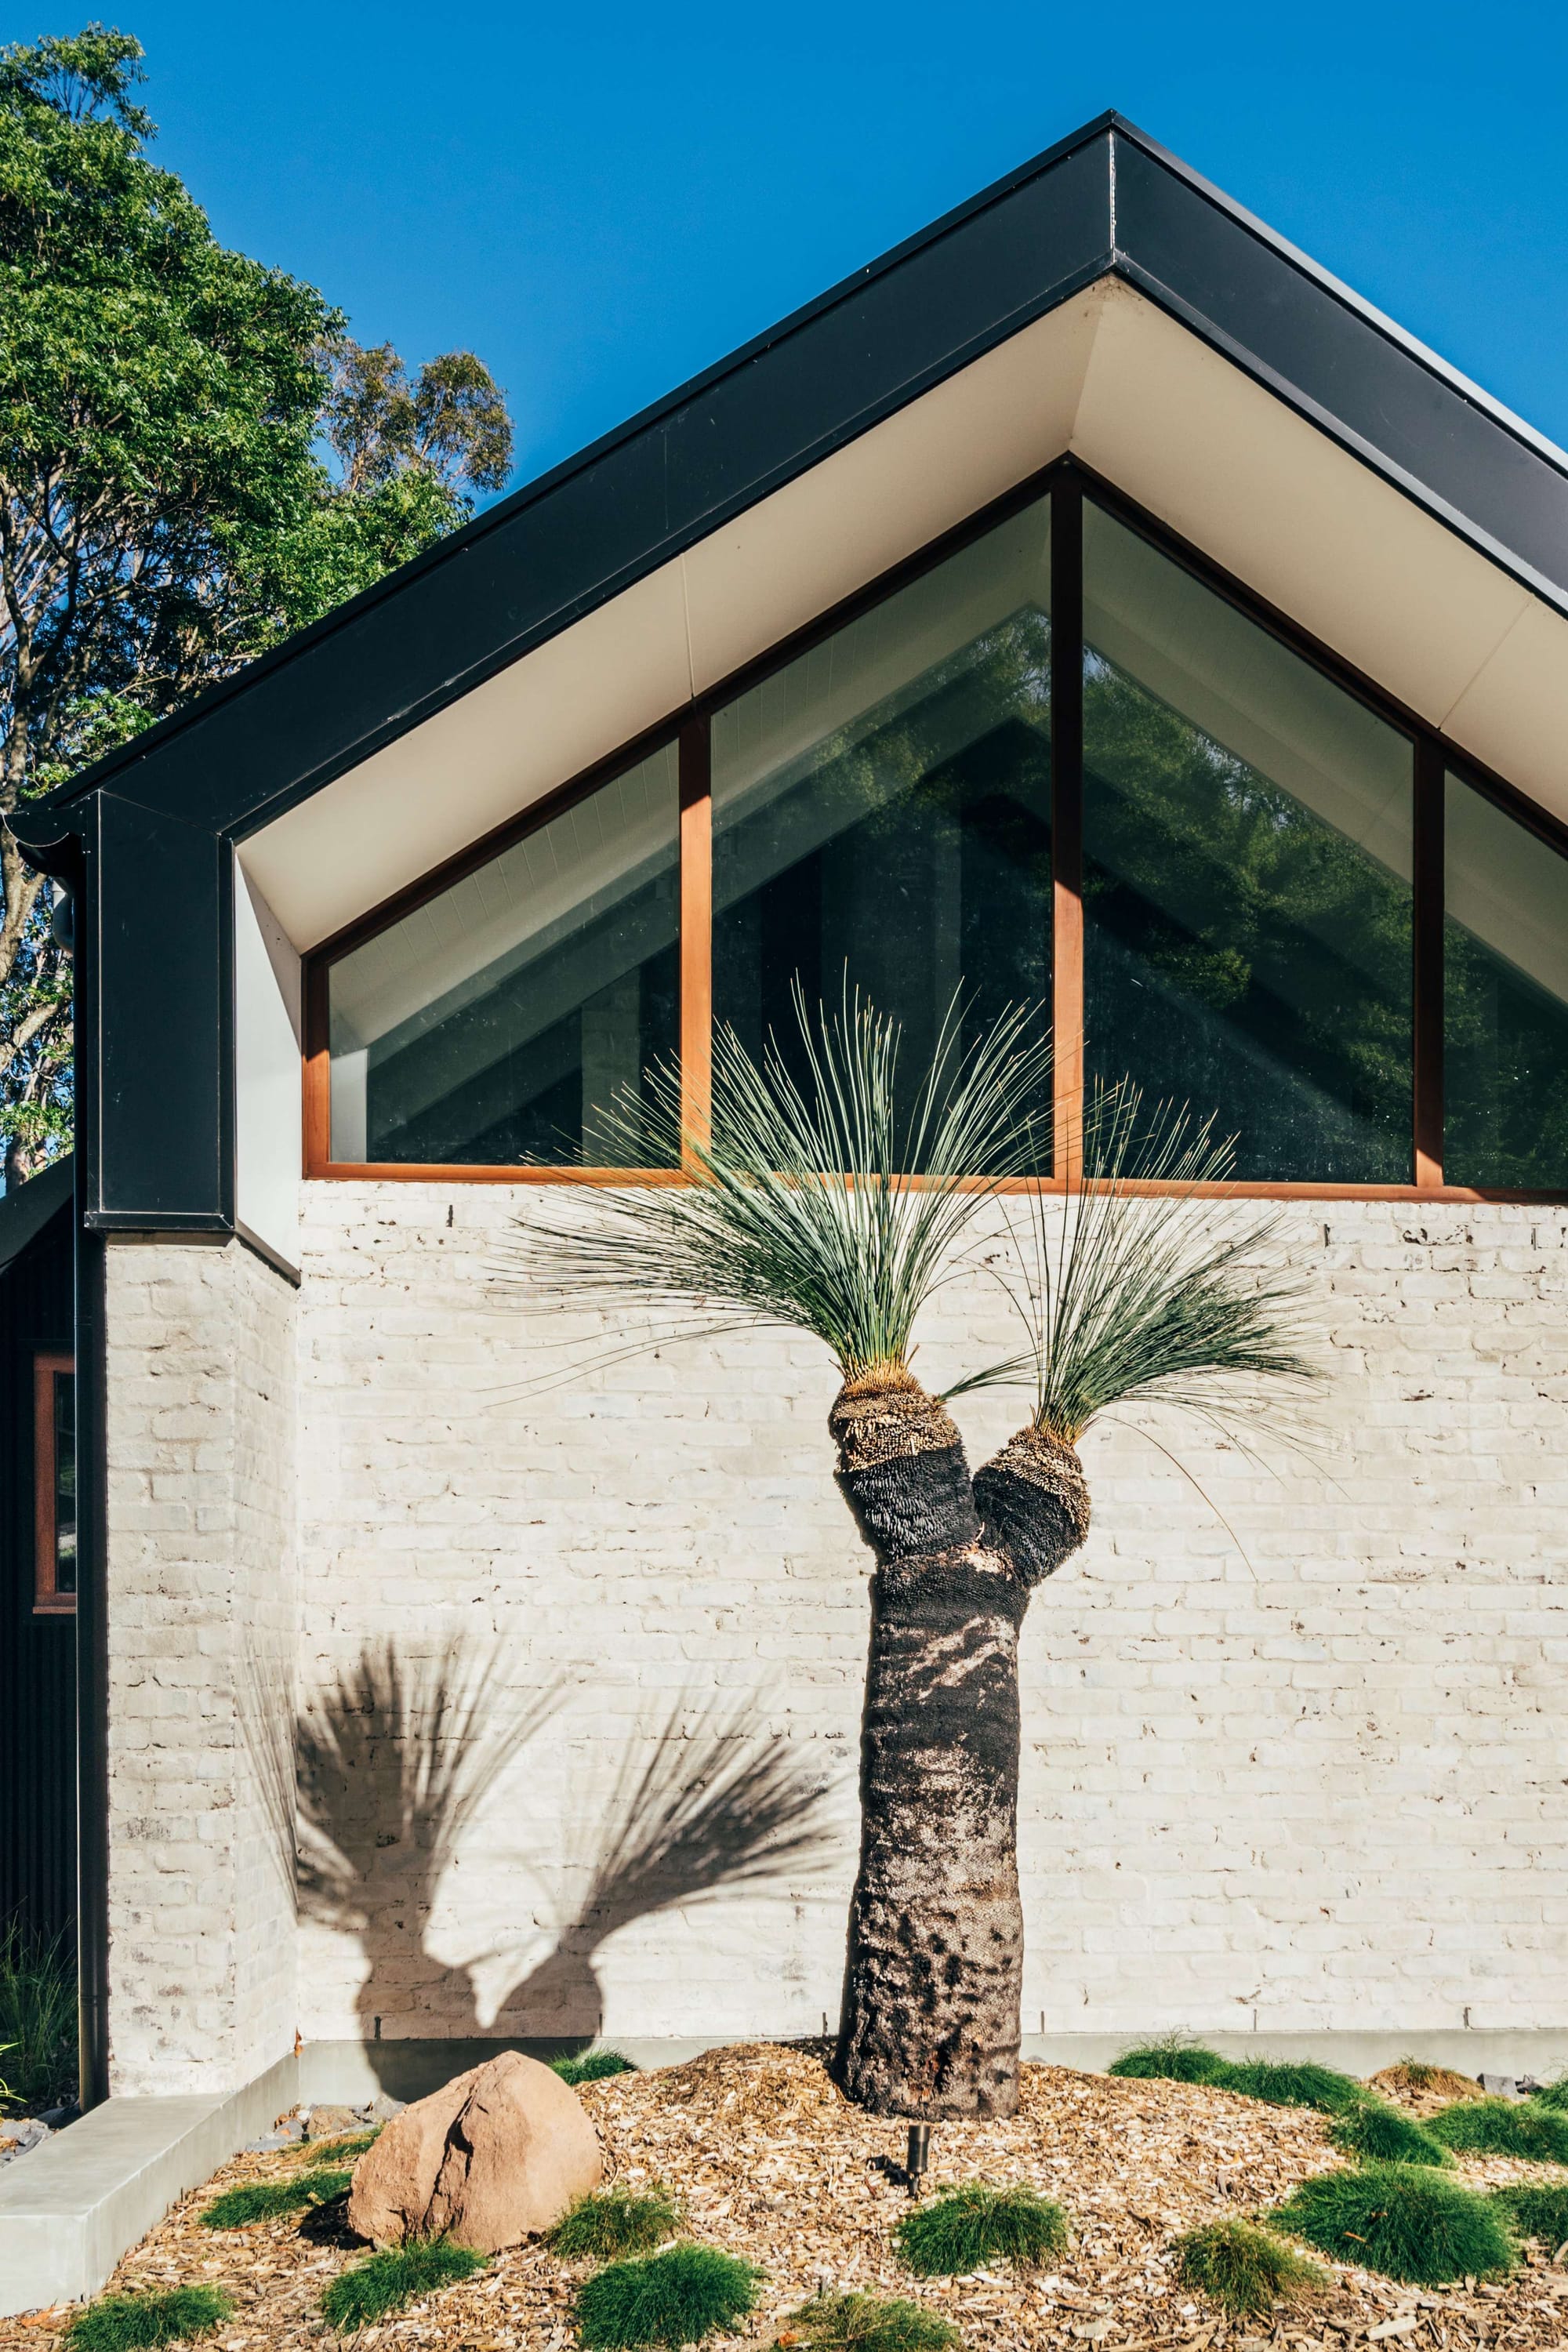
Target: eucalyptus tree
801,1211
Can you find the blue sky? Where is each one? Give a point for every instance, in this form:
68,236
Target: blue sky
602,201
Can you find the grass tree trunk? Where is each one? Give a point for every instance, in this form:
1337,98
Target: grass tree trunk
930,2025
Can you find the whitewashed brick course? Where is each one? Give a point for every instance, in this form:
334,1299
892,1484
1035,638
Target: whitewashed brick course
1294,1756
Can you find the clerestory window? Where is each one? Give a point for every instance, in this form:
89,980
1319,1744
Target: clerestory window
1060,761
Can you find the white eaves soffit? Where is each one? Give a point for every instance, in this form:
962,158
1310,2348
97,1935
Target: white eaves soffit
1109,377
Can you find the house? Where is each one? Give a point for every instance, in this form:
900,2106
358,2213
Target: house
1093,601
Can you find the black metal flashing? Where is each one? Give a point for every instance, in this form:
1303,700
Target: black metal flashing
153,823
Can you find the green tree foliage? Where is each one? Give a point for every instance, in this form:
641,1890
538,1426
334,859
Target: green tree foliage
165,509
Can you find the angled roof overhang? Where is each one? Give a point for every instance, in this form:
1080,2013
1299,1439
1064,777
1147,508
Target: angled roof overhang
1102,300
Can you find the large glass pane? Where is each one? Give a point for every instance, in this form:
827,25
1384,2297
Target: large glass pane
489,1024
881,808
1505,1001
1248,940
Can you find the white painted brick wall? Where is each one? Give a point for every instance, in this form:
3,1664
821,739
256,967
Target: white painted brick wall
1318,1786
202,1609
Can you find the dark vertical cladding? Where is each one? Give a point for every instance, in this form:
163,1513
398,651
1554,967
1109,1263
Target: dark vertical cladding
155,1007
37,1654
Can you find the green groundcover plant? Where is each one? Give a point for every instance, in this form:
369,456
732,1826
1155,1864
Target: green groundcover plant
1245,2270
610,2223
593,2066
975,2224
1404,2219
1554,2095
1503,2127
867,2323
338,2151
367,2291
1284,2083
267,2200
671,2299
1536,2210
1379,2134
127,2323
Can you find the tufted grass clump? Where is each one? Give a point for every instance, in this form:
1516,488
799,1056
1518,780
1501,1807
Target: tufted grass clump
593,2066
609,2222
1376,2133
1404,2219
1536,2211
1503,2127
671,2299
1295,2083
1245,2270
267,2200
1554,2095
367,2291
126,2322
868,2323
975,2224
1171,2060
339,2151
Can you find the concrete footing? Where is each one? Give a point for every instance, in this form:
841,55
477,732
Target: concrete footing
68,2211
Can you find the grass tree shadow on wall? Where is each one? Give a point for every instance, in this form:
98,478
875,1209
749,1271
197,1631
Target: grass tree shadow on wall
399,1754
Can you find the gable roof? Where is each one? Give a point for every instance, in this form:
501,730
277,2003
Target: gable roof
1107,201
151,827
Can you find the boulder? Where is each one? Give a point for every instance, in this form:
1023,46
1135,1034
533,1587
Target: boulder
492,2156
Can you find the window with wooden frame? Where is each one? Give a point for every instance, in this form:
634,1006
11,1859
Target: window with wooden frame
1057,759
53,1484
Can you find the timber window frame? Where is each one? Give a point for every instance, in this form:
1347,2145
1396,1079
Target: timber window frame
1067,483
52,1367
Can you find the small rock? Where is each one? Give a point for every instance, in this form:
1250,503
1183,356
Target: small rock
1501,2087
57,2119
332,2123
490,2158
381,2109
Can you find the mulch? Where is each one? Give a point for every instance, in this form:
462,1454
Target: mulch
774,2165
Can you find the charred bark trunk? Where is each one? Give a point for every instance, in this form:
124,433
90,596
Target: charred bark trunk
930,2024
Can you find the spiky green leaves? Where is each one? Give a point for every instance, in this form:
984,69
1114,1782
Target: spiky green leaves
1503,2127
673,2299
1536,2210
267,2200
1379,2134
868,2323
139,2323
975,2224
1167,1297
1283,2082
609,2222
367,2291
592,2066
799,1212
1404,2219
1245,2270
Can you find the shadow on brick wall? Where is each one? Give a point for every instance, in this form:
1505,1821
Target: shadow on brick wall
399,1753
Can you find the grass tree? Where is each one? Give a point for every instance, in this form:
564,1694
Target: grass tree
801,1211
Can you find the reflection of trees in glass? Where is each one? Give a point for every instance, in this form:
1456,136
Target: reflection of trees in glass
1239,950
912,847
1505,1084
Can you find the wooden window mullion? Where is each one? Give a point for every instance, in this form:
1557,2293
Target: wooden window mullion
1067,826
1428,865
696,930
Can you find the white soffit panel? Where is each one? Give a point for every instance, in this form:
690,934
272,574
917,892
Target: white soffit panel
640,657
1186,433
1273,499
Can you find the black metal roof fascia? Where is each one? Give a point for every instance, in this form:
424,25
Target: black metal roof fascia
1380,393
24,1212
1106,197
631,503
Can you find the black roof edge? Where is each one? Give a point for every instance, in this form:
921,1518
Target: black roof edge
46,825
457,543
24,1212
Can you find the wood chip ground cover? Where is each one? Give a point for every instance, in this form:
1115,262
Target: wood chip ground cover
774,2165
